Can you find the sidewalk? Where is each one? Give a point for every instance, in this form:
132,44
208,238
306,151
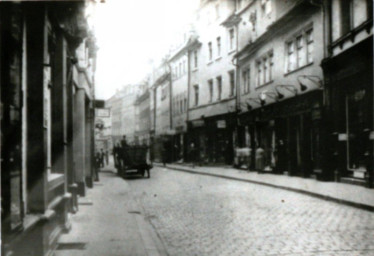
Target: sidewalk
352,195
109,222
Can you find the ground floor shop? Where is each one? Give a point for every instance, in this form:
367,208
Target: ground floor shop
284,137
349,86
213,138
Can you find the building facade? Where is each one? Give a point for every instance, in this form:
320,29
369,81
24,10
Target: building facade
211,117
142,116
280,96
348,70
46,121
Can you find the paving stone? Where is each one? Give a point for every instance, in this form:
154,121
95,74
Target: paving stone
202,215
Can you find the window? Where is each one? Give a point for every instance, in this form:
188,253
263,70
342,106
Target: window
291,56
246,80
185,104
180,69
210,50
231,39
259,72
210,84
184,66
346,16
264,67
309,46
180,105
195,58
232,82
217,11
271,64
196,90
299,51
266,6
218,46
219,87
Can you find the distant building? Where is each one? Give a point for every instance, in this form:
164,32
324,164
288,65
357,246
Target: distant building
142,116
103,127
123,113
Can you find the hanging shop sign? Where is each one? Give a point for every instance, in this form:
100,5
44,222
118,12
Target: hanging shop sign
197,123
221,124
102,112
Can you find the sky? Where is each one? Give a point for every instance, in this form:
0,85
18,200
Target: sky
132,33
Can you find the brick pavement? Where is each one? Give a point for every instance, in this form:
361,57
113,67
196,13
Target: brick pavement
344,193
200,215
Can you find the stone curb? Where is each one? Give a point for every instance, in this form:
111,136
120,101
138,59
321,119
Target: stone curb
301,191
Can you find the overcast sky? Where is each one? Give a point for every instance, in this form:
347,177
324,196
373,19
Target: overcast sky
132,32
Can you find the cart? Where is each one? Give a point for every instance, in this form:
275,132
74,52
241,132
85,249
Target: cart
135,160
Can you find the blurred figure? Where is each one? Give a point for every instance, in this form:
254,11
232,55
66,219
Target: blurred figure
102,155
107,157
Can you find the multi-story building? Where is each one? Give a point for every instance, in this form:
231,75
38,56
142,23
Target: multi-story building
280,84
103,127
348,70
142,116
46,121
211,117
178,63
161,118
123,113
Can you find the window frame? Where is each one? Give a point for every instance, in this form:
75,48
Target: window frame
232,82
210,51
219,87
210,86
196,93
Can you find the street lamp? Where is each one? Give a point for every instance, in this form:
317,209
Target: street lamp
288,87
249,106
315,79
263,95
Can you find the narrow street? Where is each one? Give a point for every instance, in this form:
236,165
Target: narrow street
200,215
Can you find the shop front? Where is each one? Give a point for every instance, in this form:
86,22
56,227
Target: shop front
285,137
349,83
213,138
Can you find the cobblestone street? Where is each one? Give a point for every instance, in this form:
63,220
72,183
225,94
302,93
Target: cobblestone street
200,215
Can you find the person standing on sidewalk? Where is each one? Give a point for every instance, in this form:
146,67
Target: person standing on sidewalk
193,154
102,155
107,157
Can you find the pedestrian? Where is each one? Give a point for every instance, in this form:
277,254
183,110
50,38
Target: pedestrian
107,157
163,153
260,158
193,154
102,155
97,165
